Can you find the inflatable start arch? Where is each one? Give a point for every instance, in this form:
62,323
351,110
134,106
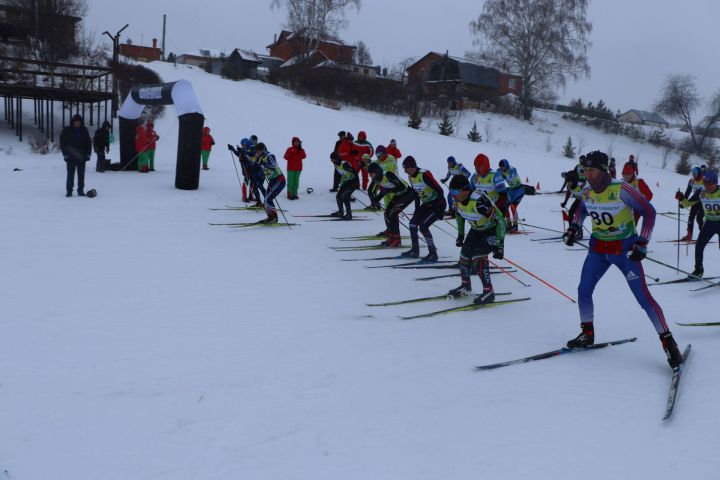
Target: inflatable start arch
190,116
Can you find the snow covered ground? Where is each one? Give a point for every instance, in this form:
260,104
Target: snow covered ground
140,342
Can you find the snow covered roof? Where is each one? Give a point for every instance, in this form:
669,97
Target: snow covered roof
647,116
205,52
247,55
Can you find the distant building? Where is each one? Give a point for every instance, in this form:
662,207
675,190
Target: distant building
463,83
239,64
199,58
640,117
355,69
713,131
292,44
138,52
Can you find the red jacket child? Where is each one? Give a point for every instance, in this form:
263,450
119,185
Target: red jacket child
207,140
141,139
392,149
295,155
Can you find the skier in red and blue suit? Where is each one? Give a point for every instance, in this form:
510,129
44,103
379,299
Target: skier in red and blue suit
614,241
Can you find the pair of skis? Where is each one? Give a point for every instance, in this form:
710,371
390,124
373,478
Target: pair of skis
674,381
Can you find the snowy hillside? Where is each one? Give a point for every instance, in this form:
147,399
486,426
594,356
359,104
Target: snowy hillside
139,342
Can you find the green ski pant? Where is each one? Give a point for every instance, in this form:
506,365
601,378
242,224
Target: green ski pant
205,155
293,182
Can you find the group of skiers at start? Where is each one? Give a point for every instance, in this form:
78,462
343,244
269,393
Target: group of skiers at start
146,142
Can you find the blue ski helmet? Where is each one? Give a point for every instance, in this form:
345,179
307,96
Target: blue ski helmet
710,177
245,143
504,164
696,172
451,160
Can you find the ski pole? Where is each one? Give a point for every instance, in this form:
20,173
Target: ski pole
236,170
282,212
678,245
540,279
137,155
502,269
543,228
586,247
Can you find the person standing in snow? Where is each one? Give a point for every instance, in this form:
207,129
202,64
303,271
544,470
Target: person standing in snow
487,235
101,145
638,184
710,200
612,168
615,241
429,207
631,161
141,147
393,150
294,156
363,147
336,175
348,184
515,191
206,144
691,199
76,147
275,179
152,138
454,168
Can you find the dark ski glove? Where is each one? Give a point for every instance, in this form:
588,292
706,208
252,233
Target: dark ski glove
498,252
569,236
638,251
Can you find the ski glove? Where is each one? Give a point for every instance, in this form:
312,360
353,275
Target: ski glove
638,251
679,196
569,236
231,148
562,205
498,252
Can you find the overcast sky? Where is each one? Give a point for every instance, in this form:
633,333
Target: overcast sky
636,43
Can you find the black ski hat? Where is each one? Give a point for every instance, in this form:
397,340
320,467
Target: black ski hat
374,169
409,162
596,159
91,193
459,182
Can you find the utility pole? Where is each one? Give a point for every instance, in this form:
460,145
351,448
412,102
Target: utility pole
163,39
116,59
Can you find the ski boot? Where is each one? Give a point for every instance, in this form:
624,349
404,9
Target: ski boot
347,216
450,214
459,240
337,214
514,227
384,233
431,257
488,296
68,194
460,291
586,337
414,252
697,273
81,193
257,204
392,241
687,237
674,357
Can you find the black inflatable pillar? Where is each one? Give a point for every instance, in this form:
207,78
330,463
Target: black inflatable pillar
187,172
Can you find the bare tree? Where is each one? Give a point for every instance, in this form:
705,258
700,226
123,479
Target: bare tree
679,98
362,54
544,41
399,70
316,19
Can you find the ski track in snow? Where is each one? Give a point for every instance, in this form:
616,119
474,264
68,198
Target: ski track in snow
140,342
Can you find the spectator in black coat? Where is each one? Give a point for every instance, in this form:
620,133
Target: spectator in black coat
101,145
76,147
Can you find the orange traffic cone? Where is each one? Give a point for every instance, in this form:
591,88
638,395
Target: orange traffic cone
658,183
538,186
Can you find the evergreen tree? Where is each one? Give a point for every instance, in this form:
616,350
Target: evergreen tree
170,58
446,126
683,166
415,119
473,135
569,149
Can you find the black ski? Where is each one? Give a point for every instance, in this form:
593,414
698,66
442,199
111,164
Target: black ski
320,216
258,224
682,280
675,384
353,219
700,324
425,299
464,308
547,239
553,353
435,277
705,287
407,265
